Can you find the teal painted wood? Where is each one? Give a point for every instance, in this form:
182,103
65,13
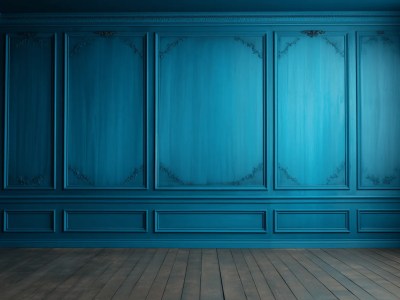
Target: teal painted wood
105,220
29,115
105,109
32,221
379,110
311,110
325,215
210,112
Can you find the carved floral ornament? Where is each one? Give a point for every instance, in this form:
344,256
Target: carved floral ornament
312,34
87,41
241,40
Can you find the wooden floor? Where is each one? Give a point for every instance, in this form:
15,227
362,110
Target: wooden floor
199,274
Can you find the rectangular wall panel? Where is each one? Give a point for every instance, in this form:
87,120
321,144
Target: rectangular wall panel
210,112
379,110
379,221
29,113
311,110
210,221
29,221
307,221
105,110
105,221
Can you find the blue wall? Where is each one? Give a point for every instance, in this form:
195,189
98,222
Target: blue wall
203,131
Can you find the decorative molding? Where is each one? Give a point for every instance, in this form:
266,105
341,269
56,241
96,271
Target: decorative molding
132,177
249,45
313,33
79,46
294,215
256,223
30,39
257,169
335,46
284,171
48,215
80,176
105,34
378,220
287,46
335,175
26,181
122,221
170,46
264,18
132,45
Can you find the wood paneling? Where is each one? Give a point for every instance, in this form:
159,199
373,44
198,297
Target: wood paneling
105,104
379,110
311,110
29,114
210,127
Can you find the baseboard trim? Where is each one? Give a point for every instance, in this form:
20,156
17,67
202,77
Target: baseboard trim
179,243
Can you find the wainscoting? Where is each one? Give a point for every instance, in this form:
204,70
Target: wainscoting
199,274
185,131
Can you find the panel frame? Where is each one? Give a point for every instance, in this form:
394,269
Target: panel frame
361,212
345,212
6,228
145,72
159,212
157,77
326,32
53,37
359,36
67,212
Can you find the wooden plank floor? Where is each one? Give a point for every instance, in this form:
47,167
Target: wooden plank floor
199,274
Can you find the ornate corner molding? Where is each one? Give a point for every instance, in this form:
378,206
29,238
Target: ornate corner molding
257,169
171,175
335,46
30,39
80,176
284,171
79,46
249,45
105,34
313,33
335,175
132,177
33,181
132,45
287,46
170,46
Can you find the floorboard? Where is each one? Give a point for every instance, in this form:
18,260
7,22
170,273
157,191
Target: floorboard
193,274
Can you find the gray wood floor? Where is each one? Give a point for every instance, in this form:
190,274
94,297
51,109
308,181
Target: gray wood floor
199,274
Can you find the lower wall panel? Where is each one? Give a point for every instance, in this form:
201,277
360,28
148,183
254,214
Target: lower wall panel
105,221
379,221
302,221
290,223
210,221
29,221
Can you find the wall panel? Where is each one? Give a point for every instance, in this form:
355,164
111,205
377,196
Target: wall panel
379,220
105,221
210,112
29,221
325,221
29,113
379,110
311,110
105,109
210,221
